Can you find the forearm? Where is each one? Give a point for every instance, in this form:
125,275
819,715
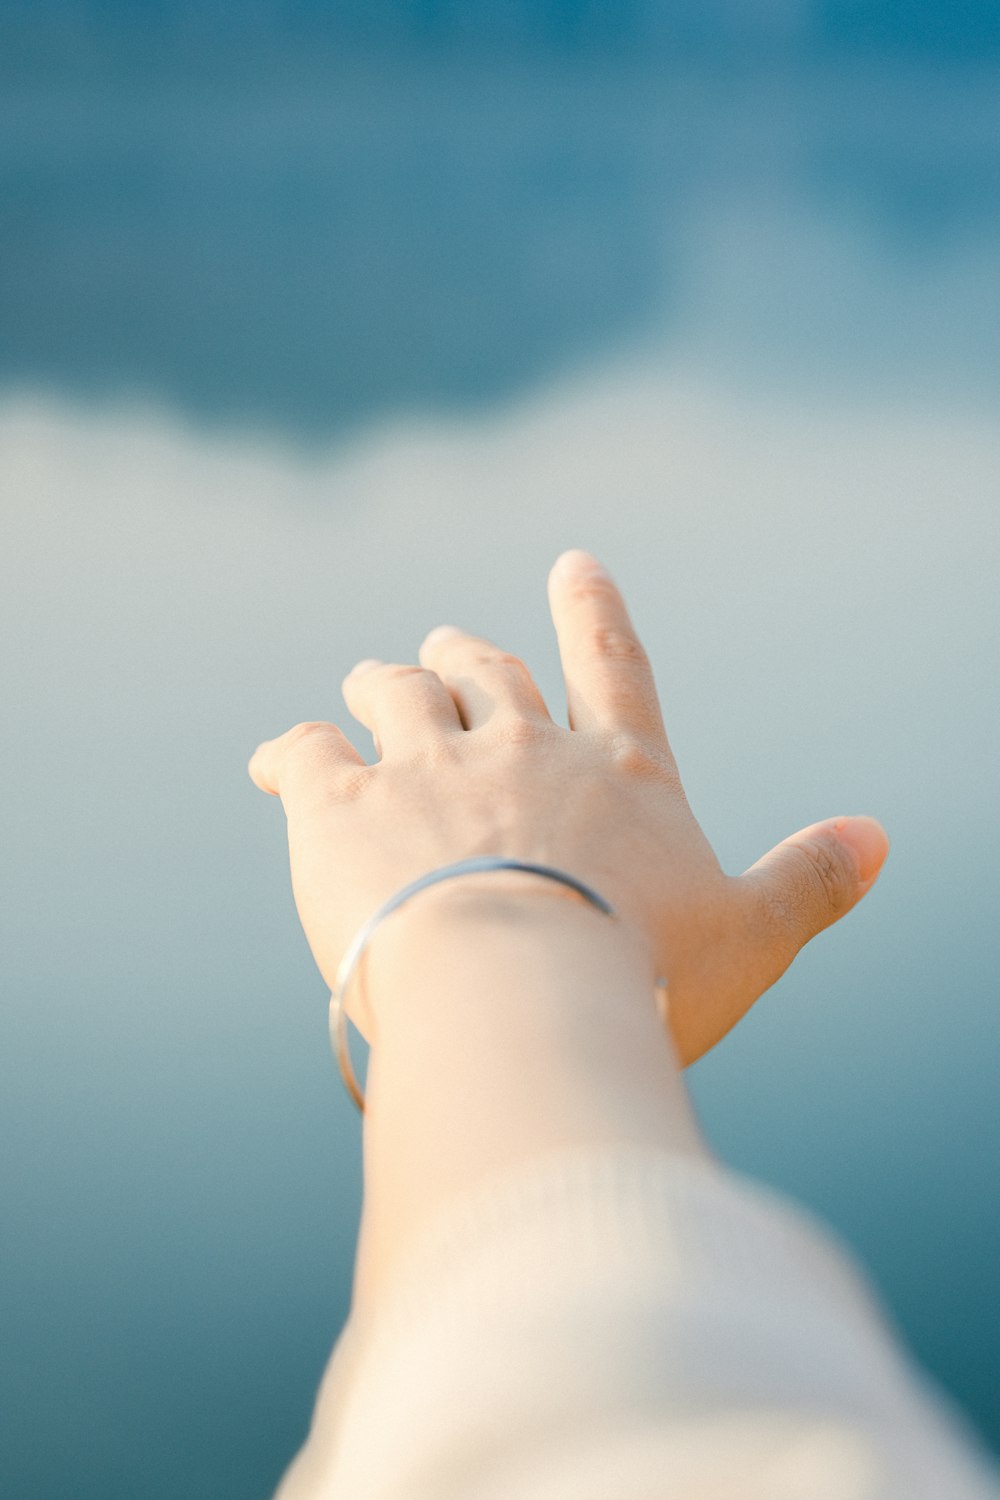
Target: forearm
609,1318
512,1020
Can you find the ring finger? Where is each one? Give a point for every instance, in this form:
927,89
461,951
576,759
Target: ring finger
403,705
485,682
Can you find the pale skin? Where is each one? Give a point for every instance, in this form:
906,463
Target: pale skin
507,1018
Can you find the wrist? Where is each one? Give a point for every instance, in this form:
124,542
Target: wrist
522,919
510,1023
511,987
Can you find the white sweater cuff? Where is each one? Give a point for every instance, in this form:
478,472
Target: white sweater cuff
631,1315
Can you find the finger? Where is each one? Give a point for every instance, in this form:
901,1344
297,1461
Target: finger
305,759
403,705
484,681
609,681
812,879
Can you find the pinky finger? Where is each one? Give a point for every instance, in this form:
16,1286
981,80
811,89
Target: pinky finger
300,761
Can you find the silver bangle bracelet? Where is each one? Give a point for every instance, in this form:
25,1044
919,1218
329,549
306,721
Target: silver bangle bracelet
338,1018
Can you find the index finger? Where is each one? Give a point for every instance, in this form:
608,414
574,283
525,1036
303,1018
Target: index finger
609,681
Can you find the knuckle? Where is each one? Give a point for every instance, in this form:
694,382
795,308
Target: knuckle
357,683
312,764
399,671
615,644
352,784
313,761
638,758
771,910
439,753
588,588
308,732
505,659
307,746
825,869
519,733
480,658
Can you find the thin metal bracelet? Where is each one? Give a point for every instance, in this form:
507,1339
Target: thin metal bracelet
481,862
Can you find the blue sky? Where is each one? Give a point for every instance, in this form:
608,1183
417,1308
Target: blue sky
308,219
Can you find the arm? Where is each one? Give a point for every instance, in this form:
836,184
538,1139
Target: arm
504,1015
550,1262
514,1021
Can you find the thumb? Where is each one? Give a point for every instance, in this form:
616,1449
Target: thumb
812,879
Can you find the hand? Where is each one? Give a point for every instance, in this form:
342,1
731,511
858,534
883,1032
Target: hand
470,762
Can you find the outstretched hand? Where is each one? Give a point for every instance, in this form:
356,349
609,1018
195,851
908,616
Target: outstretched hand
471,762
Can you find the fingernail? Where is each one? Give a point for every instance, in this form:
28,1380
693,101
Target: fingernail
578,561
363,666
868,842
440,633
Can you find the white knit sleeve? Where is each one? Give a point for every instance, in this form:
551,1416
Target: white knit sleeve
626,1324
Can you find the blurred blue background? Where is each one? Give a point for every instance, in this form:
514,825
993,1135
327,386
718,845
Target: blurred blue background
324,324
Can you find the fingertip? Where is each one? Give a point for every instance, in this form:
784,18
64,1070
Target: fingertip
868,842
575,562
255,770
441,633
